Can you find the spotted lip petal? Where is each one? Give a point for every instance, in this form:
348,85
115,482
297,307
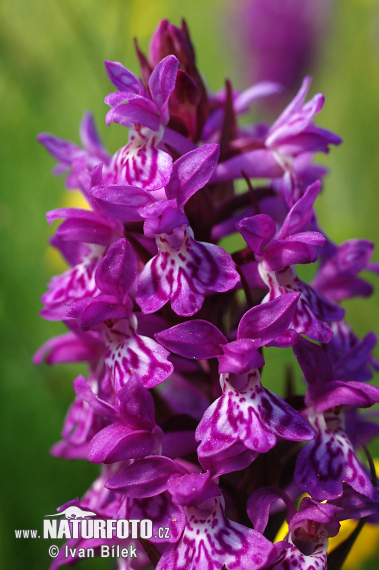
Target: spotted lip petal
183,272
128,353
73,285
325,463
141,163
249,417
212,541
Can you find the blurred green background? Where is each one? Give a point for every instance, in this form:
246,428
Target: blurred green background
51,70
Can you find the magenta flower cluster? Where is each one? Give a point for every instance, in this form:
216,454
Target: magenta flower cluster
175,329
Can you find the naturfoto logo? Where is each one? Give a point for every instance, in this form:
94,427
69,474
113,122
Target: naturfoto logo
75,524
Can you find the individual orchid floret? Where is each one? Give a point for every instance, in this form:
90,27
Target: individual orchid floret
85,416
294,132
352,358
325,463
141,163
132,104
210,540
82,281
337,278
276,255
74,284
207,536
184,272
245,421
292,135
126,352
134,434
309,532
258,327
74,158
80,426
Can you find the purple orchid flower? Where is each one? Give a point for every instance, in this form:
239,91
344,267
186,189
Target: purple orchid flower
276,257
73,158
141,162
176,326
292,135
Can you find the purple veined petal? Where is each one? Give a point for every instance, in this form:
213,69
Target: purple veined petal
308,141
83,225
101,407
61,149
346,288
178,141
251,416
162,218
191,172
193,339
337,393
282,253
350,258
69,347
354,357
72,252
323,513
162,84
140,163
123,79
325,463
184,271
92,311
257,231
259,503
118,98
223,439
117,270
310,238
118,442
294,106
73,285
192,489
297,123
269,320
240,356
128,353
321,306
91,139
121,202
145,477
261,89
138,111
308,542
212,541
313,312
86,231
136,405
301,213
259,163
